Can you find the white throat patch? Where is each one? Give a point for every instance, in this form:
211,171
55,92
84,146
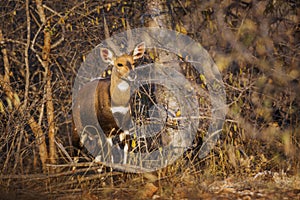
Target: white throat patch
119,109
123,86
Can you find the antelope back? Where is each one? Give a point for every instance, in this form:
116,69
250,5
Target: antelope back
85,113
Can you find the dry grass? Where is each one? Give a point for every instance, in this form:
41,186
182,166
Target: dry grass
255,45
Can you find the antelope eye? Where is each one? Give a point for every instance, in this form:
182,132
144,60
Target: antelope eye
120,65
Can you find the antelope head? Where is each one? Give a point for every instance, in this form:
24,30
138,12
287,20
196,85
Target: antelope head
123,66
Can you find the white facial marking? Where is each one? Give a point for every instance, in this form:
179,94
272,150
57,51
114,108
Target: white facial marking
119,109
123,86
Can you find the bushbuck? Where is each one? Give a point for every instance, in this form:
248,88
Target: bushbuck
109,98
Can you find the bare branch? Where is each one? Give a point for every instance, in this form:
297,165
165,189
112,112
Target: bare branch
5,60
47,76
27,75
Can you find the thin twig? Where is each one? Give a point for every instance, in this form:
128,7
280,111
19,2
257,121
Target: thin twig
58,42
27,73
5,60
61,147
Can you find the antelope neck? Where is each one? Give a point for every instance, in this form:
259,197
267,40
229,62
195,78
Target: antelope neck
119,90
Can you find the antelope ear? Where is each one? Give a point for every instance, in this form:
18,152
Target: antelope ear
106,55
139,51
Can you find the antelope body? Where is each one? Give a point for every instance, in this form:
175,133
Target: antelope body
110,98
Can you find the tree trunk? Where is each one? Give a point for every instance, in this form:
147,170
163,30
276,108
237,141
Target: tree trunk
158,11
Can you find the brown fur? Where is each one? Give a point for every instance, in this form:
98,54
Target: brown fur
97,96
